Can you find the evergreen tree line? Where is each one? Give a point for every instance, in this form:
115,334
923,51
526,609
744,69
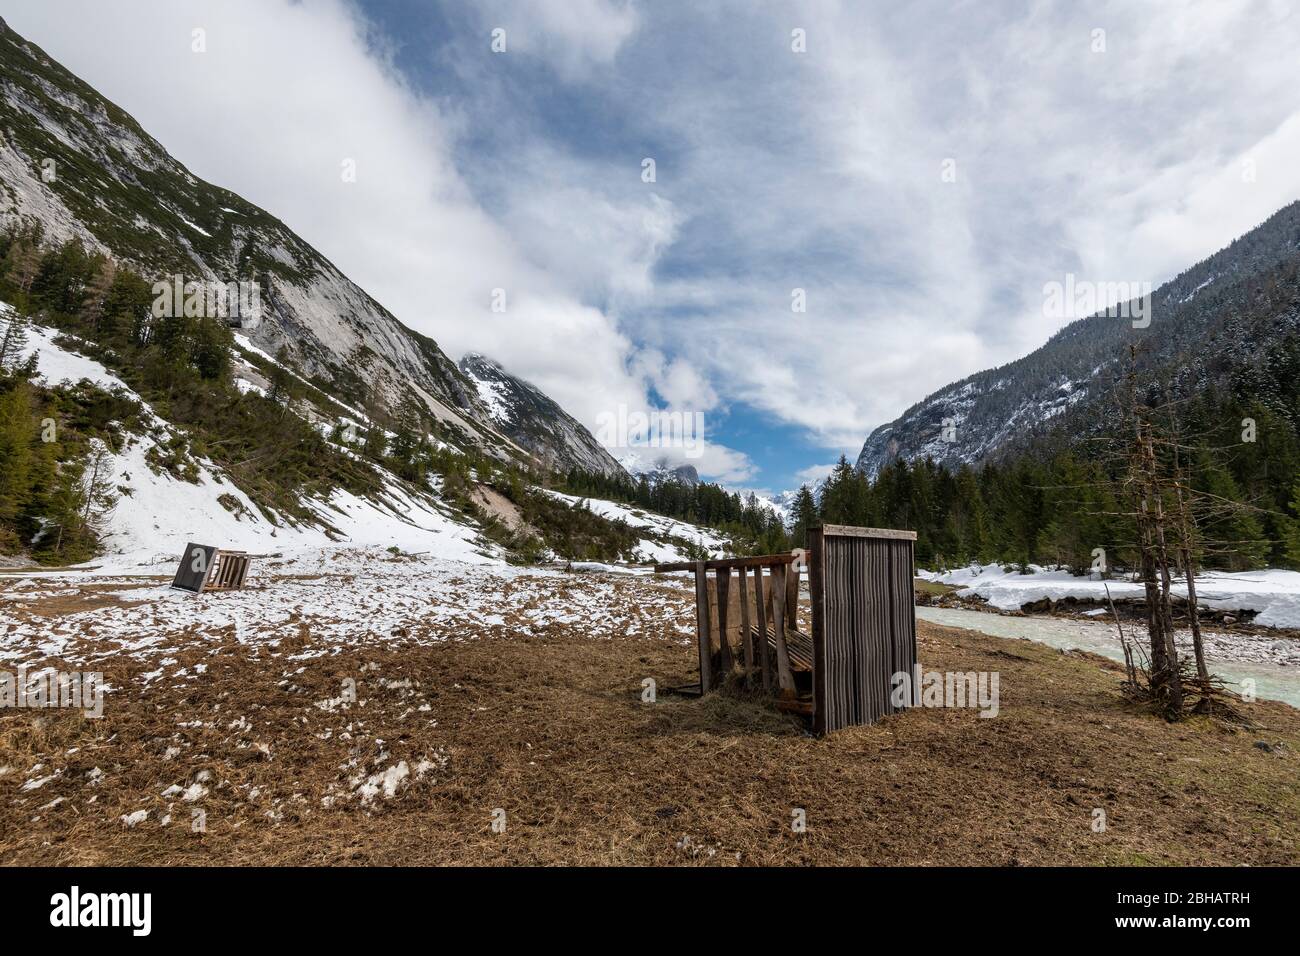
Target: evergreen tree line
1055,510
753,527
1053,504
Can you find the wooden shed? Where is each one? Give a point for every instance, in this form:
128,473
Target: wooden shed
838,670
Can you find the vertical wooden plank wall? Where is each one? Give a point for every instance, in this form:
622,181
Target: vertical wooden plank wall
864,622
817,598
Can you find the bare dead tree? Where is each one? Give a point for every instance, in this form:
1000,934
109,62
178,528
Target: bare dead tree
1165,681
1168,514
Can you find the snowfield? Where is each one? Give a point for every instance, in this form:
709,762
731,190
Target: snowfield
57,366
343,597
1273,594
161,514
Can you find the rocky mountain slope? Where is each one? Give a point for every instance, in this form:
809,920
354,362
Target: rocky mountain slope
533,421
1217,320
83,168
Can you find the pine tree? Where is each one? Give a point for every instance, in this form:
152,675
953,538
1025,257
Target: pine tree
803,515
13,340
128,309
844,495
1231,524
22,261
60,283
18,436
209,348
970,519
64,533
96,487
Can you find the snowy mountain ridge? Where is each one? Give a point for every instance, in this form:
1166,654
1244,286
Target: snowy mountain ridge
524,414
84,169
1199,332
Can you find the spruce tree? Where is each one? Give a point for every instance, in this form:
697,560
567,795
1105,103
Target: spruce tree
13,340
18,437
803,515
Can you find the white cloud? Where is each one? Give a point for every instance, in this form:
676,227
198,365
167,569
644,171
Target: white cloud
572,35
715,462
776,170
822,171
814,473
286,92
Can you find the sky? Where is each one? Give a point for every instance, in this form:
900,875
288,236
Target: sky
913,174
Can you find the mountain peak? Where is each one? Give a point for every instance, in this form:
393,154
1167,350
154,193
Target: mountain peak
173,225
531,419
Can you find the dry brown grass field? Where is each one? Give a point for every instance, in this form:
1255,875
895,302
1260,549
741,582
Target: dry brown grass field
551,728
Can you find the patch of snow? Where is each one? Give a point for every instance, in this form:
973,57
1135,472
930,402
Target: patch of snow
657,525
194,792
493,399
1273,594
197,228
59,366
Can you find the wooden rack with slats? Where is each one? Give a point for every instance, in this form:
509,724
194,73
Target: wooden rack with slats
863,623
229,571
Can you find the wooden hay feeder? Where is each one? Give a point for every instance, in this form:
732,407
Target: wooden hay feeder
205,568
839,671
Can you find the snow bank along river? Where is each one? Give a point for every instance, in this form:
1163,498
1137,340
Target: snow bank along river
1273,595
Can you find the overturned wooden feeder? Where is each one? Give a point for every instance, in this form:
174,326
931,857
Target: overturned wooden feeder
863,631
205,568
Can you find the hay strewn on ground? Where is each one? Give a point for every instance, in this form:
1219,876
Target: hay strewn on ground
552,729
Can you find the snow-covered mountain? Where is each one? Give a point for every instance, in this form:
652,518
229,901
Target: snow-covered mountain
82,168
658,468
780,502
533,421
155,512
1212,321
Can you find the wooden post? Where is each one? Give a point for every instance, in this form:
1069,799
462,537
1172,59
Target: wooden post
724,597
784,677
702,627
746,638
817,593
792,596
764,661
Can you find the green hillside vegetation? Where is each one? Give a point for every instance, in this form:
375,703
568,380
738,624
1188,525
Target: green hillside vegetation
181,366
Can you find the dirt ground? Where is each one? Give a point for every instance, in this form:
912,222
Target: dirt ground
269,760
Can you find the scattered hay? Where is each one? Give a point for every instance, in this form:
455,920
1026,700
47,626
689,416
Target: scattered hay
539,750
